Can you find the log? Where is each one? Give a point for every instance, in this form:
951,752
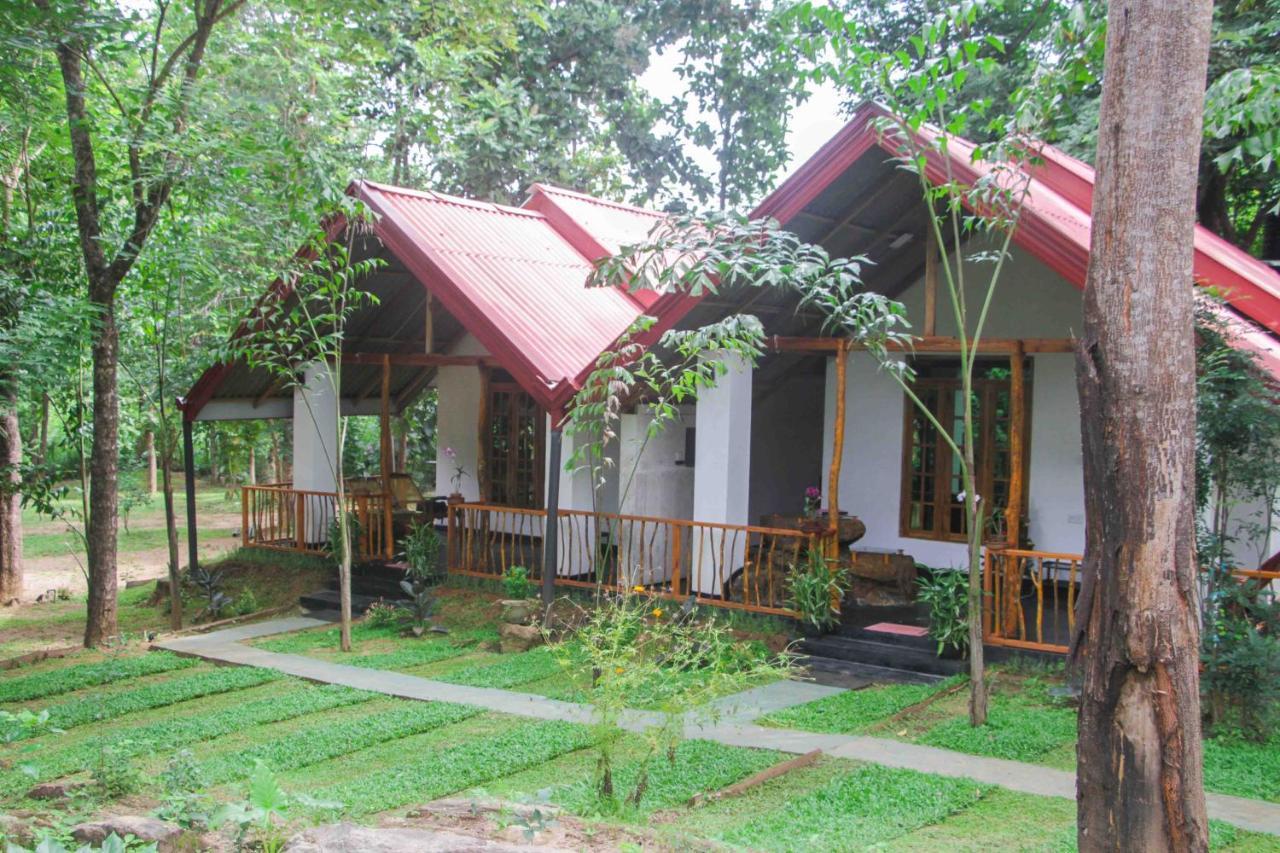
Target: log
760,778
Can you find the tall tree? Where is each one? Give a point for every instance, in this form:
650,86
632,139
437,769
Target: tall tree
1140,777
153,103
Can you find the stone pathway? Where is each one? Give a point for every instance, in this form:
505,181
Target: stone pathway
733,727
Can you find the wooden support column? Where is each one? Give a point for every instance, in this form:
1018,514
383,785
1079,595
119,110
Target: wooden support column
189,474
1011,567
930,282
837,451
384,454
482,430
428,330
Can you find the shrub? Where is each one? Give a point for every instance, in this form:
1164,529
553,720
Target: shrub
422,553
946,593
246,603
628,646
1241,657
382,615
182,784
516,583
114,773
354,531
815,589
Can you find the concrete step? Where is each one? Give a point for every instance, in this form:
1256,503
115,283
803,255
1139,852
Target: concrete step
854,676
877,653
328,599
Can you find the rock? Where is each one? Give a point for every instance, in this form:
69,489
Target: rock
56,790
146,829
469,807
14,829
349,838
519,638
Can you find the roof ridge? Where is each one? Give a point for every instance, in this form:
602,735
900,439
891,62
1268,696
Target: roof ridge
552,189
446,198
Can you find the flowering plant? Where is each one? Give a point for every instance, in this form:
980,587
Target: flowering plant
812,501
459,472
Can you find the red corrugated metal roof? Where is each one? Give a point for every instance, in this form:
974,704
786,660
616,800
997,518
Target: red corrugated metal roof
511,277
1055,225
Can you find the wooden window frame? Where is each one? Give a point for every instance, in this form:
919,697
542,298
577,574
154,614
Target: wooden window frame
948,387
516,399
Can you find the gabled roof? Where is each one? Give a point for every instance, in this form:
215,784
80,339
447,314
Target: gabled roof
1055,224
513,276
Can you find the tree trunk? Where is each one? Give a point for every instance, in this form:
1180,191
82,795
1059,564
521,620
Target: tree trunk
1140,783
100,624
171,531
150,442
42,451
253,467
10,500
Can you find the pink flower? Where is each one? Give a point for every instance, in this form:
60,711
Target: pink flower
448,451
812,492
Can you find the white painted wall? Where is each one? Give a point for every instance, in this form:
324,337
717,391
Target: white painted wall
722,470
315,439
457,428
1031,301
661,485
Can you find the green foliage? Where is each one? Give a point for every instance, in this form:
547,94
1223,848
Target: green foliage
871,805
516,583
946,594
355,530
114,773
1019,727
696,766
511,671
266,805
815,590
111,844
1243,766
382,615
23,725
419,606
629,648
54,760
24,688
210,583
331,739
1240,680
245,603
423,777
79,712
182,786
422,553
853,711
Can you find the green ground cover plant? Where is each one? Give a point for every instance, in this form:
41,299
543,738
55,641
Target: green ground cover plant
24,688
510,671
868,806
53,760
328,740
1019,727
697,766
416,653
1234,764
88,709
853,711
423,777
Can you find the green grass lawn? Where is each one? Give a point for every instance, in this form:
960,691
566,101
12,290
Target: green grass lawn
1024,724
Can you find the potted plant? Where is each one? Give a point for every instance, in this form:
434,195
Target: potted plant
814,593
459,474
519,606
946,593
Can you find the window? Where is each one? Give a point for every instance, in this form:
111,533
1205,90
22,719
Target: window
932,482
513,452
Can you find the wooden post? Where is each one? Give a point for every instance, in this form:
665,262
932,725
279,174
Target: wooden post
244,515
482,428
150,440
1017,430
189,470
930,280
551,532
428,330
837,451
677,556
300,520
1011,567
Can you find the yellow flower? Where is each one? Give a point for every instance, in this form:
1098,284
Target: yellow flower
617,670
637,588
657,613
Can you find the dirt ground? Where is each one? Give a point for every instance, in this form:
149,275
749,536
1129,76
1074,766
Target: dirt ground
66,571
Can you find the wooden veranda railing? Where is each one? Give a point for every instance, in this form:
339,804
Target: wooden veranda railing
283,518
1030,597
724,565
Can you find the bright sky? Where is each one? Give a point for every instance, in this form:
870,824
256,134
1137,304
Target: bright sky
812,123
